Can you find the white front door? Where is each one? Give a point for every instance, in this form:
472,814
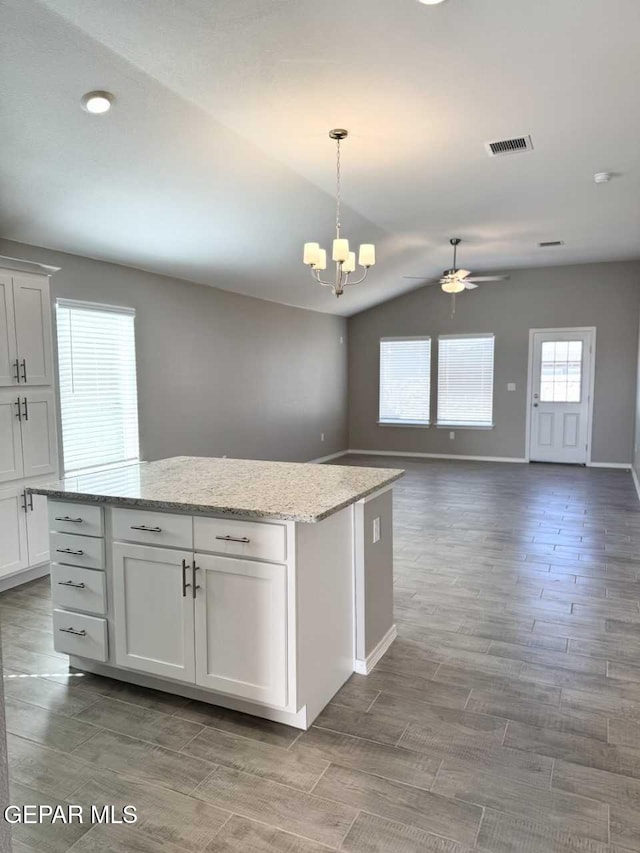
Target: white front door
560,397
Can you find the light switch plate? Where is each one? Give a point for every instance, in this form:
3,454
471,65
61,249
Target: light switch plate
511,386
376,529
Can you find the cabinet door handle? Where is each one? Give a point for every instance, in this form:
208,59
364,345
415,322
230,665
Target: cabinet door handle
71,583
69,551
26,409
31,501
73,631
196,586
16,364
24,500
67,518
244,539
185,585
24,369
19,408
148,529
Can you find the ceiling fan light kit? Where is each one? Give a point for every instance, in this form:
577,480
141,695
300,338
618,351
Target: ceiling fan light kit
315,257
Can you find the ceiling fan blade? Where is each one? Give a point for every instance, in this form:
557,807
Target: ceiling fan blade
488,278
426,282
460,274
469,285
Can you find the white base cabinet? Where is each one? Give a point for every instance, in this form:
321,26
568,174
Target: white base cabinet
153,610
241,628
24,532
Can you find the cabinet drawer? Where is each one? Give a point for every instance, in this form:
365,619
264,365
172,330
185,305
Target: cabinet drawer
241,538
152,528
77,550
70,517
77,634
79,589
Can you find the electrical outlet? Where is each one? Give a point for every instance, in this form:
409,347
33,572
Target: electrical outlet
452,435
511,386
321,436
376,529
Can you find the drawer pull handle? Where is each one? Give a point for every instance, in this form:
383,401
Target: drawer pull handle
244,539
70,551
73,631
71,583
68,518
148,529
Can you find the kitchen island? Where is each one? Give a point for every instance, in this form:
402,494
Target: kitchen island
257,586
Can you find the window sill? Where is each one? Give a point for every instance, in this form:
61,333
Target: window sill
465,426
412,426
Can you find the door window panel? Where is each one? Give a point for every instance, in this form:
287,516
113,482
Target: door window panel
561,372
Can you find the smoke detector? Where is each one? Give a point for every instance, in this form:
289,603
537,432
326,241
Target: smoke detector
602,177
517,145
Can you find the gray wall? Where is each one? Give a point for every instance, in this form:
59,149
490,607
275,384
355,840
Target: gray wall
636,437
219,373
603,295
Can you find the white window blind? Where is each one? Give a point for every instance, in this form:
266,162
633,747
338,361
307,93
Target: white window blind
465,380
405,381
98,393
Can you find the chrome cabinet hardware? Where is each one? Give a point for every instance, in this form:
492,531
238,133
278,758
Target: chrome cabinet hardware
195,569
68,518
24,369
31,501
185,585
71,583
26,409
24,500
148,529
70,551
16,364
244,539
19,407
73,631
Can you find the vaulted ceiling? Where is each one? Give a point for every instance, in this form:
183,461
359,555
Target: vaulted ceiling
214,164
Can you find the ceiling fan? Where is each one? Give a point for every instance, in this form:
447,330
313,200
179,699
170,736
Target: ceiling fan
454,280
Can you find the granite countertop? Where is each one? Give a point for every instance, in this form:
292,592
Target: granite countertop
290,491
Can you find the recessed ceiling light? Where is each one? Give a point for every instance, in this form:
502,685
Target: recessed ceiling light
602,177
430,2
97,102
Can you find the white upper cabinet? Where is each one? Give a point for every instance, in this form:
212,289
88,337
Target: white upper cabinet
8,349
11,466
32,313
38,421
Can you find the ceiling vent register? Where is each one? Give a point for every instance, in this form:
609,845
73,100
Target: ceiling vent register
548,243
518,145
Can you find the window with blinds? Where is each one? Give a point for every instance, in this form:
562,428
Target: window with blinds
465,380
405,381
98,393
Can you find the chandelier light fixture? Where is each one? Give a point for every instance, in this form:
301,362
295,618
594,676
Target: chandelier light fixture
315,257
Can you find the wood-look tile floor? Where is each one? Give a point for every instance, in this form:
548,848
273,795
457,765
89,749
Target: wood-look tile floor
505,717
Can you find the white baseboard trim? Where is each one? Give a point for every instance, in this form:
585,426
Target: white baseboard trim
328,458
410,454
636,481
626,466
24,576
364,667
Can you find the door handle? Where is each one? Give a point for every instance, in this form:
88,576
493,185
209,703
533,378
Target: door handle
69,551
31,501
148,529
195,569
67,518
24,500
16,364
26,409
244,539
71,583
185,585
19,407
24,369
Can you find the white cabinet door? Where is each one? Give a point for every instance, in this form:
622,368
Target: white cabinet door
153,610
8,351
11,466
37,529
13,533
33,328
38,433
241,628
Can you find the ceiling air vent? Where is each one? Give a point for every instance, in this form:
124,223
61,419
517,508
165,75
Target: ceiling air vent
550,243
509,146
